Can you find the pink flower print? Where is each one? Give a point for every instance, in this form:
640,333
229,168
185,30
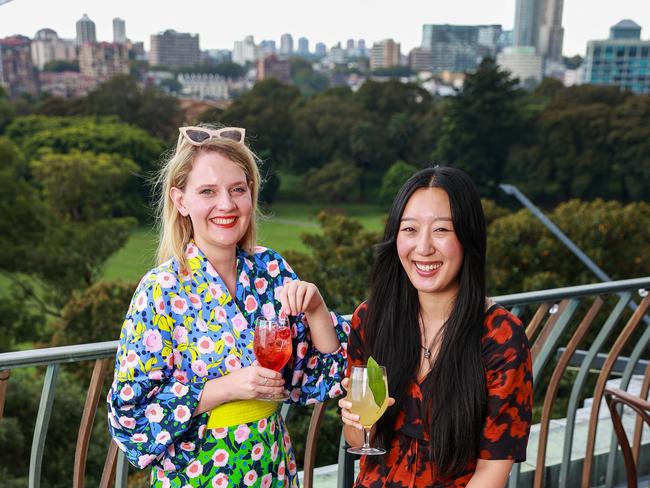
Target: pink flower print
272,268
333,369
261,425
166,280
232,363
250,304
268,310
194,469
179,305
152,340
168,465
182,413
154,413
312,362
274,451
191,251
249,263
266,480
239,322
201,431
195,301
257,452
141,301
228,339
114,423
292,467
126,393
311,401
220,433
272,428
277,292
259,249
346,328
159,305
250,478
185,275
199,368
215,291
139,438
287,267
179,390
154,391
244,279
209,269
295,395
220,481
131,359
178,358
180,334
201,325
242,433
187,446
297,376
260,285
145,460
126,422
335,390
301,350
205,345
220,314
165,482
286,441
281,470
220,457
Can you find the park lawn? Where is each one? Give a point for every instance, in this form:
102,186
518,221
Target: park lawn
279,227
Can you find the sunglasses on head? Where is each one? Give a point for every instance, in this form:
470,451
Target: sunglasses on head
197,136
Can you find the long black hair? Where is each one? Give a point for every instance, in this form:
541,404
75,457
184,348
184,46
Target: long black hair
454,391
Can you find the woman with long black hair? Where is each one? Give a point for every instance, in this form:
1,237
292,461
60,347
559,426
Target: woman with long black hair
458,365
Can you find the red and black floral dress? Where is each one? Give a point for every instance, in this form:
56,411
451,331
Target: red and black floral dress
508,372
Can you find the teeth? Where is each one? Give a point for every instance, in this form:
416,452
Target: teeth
222,221
427,267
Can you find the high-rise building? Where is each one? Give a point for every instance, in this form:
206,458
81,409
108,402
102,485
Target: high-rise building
523,62
268,47
303,46
622,60
119,30
103,60
173,49
17,73
349,45
85,30
247,51
459,48
538,23
385,54
336,55
272,67
320,50
286,45
47,46
420,59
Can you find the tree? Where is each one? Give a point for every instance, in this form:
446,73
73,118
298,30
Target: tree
336,182
339,260
393,180
264,112
149,108
60,65
482,123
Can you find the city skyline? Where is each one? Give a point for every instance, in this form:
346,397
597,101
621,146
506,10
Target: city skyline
339,22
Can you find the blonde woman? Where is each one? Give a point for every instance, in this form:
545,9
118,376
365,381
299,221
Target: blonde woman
186,347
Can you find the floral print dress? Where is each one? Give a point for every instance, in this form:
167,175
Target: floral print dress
508,374
184,328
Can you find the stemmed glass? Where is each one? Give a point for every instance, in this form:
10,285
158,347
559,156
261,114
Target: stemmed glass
272,346
366,406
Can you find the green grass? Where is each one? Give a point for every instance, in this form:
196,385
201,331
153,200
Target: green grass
279,228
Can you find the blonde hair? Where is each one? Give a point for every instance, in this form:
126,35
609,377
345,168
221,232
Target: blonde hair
175,230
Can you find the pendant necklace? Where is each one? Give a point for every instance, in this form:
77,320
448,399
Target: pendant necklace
427,350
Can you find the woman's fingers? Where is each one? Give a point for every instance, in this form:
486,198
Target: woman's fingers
345,383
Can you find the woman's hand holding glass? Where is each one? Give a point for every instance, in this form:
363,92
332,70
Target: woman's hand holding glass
254,382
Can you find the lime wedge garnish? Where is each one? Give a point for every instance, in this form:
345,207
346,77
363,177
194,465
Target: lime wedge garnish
376,381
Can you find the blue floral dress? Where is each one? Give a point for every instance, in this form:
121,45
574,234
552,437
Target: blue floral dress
184,328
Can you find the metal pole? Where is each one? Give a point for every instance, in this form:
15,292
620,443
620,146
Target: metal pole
555,230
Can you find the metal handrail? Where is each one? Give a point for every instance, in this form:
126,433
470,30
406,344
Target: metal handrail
52,357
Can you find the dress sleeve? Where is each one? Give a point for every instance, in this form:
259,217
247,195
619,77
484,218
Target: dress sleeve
313,376
150,403
356,355
506,356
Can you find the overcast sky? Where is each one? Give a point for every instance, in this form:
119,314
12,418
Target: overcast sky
220,23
